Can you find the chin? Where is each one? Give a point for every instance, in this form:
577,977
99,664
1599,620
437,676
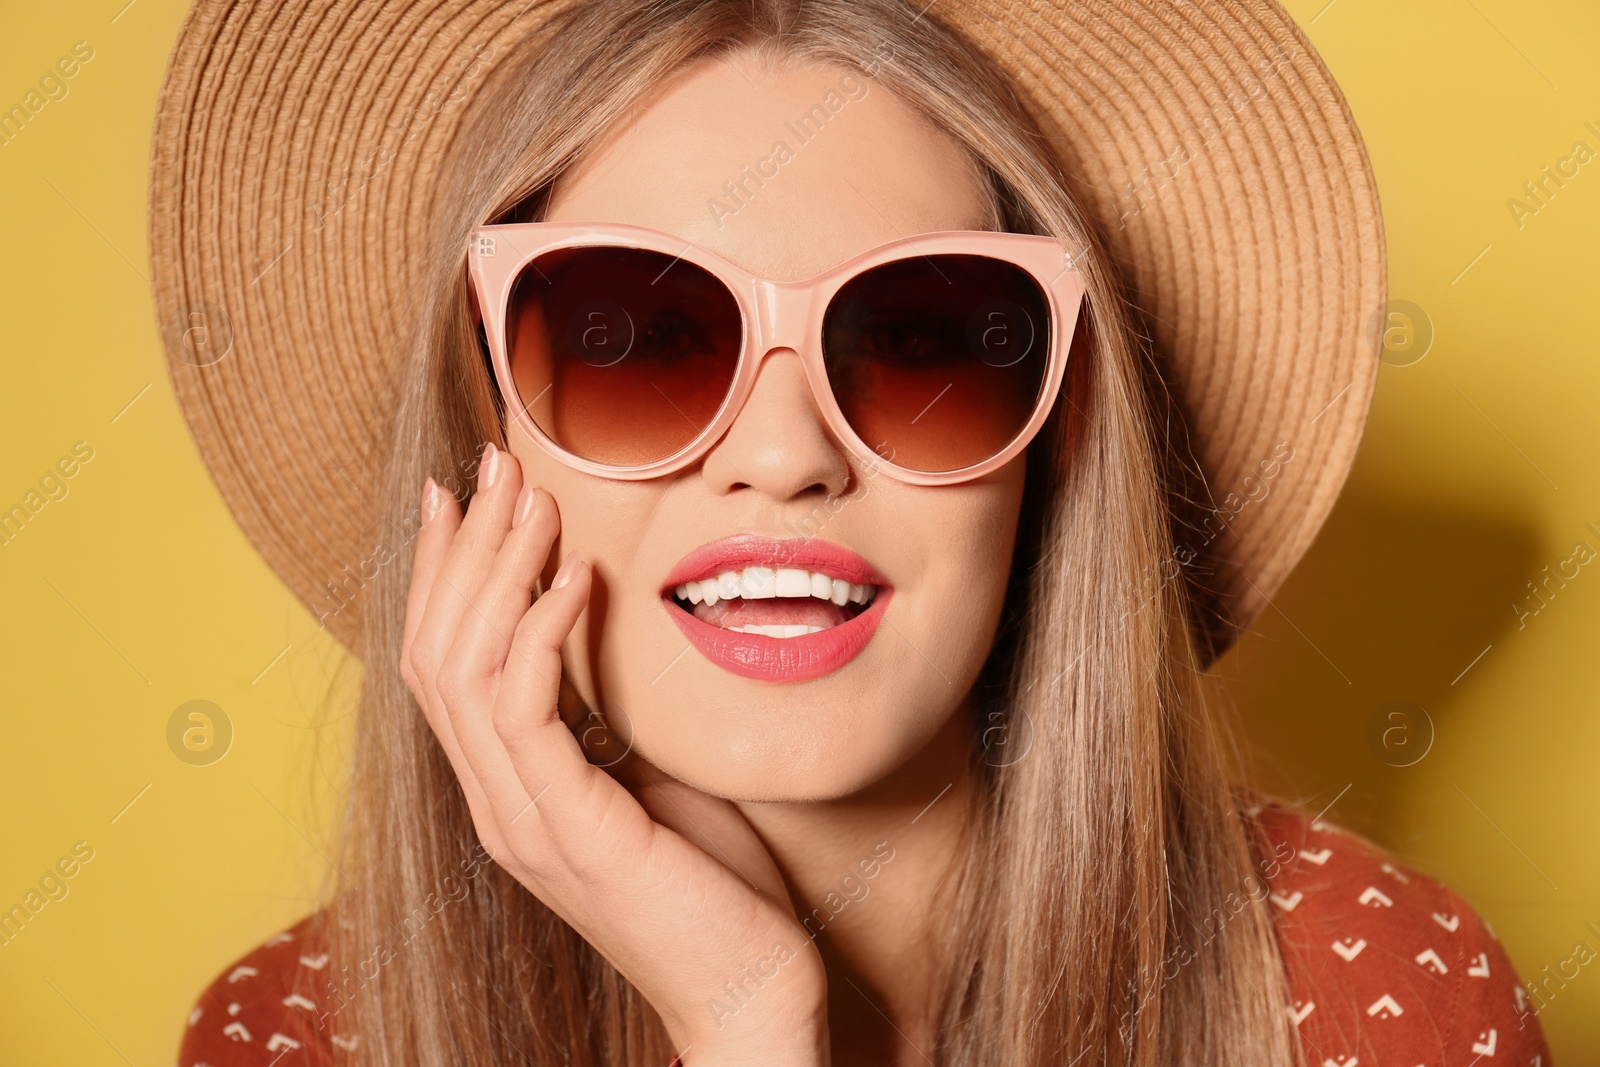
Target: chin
768,766
750,741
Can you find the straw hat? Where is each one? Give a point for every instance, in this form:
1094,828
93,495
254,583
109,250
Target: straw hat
294,161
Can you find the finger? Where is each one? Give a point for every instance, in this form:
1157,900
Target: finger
471,674
485,634
441,517
583,810
467,561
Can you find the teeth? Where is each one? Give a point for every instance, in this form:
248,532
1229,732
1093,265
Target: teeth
755,583
793,582
764,583
777,631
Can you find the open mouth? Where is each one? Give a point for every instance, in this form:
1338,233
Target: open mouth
776,610
780,602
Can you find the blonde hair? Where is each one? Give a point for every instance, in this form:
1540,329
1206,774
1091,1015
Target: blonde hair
1091,860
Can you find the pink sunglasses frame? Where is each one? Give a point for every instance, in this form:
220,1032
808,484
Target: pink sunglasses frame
777,315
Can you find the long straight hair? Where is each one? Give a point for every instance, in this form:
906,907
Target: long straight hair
1091,858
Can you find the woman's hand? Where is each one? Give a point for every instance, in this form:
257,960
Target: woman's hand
670,885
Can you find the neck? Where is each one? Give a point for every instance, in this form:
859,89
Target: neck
865,874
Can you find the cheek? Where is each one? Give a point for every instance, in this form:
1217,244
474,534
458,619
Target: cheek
982,536
969,533
603,521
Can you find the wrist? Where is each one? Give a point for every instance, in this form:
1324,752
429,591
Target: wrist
809,1049
771,1042
777,1018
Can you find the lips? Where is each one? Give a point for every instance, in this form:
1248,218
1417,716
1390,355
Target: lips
776,610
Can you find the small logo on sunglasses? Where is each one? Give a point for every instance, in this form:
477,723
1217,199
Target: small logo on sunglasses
485,246
600,332
1000,333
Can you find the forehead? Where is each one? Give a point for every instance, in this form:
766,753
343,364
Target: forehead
786,169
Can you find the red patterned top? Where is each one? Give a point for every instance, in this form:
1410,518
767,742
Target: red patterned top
1386,967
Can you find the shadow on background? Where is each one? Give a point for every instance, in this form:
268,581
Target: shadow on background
1394,602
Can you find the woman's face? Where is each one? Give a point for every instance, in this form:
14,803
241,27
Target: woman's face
874,172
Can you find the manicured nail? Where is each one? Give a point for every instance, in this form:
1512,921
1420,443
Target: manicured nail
491,464
430,499
568,571
524,506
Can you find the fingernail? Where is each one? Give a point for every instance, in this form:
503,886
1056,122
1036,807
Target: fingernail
491,464
430,499
524,506
568,571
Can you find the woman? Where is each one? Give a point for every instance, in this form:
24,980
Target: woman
813,676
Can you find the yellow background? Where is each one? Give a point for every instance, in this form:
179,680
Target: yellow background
136,592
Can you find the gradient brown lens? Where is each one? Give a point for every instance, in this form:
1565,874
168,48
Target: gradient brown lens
622,356
938,361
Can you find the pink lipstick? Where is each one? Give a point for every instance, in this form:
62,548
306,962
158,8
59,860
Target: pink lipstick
776,610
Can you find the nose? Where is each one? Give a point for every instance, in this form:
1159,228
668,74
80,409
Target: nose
778,444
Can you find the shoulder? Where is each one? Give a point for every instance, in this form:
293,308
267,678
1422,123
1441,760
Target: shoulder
268,1007
1386,965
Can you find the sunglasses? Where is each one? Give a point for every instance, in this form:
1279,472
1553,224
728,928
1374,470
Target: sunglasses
628,353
